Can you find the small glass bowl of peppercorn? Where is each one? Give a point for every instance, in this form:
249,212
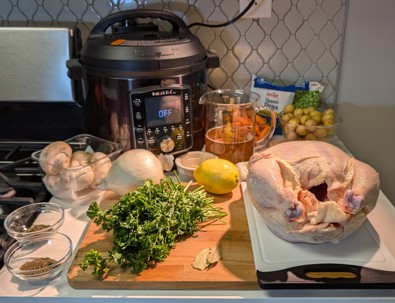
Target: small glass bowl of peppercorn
40,259
32,220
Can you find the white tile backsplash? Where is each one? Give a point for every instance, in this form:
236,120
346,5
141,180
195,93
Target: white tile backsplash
301,41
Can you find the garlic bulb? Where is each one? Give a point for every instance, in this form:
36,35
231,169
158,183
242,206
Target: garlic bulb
167,161
130,170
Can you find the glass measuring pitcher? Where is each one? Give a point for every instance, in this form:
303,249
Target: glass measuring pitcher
233,129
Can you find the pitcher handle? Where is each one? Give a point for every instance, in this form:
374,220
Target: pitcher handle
273,122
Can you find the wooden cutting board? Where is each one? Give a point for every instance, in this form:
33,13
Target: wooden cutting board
236,270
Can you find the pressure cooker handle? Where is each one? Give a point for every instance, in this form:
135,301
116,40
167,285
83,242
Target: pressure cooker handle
177,23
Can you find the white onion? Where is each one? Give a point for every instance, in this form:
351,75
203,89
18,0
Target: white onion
130,170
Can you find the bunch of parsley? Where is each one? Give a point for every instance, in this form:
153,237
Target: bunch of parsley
147,223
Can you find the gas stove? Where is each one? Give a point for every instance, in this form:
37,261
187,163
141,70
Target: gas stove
20,182
38,105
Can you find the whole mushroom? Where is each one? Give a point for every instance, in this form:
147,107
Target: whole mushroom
55,157
100,164
80,157
59,188
79,177
56,184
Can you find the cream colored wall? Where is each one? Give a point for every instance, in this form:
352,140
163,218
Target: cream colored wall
366,94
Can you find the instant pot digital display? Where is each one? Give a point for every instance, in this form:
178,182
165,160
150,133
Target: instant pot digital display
163,110
162,118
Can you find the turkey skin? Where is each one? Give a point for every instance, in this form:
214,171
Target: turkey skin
311,191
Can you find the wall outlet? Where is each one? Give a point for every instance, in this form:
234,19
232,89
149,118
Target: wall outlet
260,9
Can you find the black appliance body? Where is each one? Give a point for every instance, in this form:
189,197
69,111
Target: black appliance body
142,83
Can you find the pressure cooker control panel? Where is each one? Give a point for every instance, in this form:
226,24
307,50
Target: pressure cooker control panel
162,118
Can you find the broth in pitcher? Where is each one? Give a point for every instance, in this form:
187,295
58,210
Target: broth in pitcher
235,144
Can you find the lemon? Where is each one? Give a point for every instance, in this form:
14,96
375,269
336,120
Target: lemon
217,176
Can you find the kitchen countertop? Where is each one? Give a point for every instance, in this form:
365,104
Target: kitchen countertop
75,225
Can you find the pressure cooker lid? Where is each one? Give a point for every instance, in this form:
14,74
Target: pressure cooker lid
135,45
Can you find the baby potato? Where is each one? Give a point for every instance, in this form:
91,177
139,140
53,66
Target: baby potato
292,123
329,111
321,132
289,108
301,130
327,117
289,127
304,118
286,117
309,109
317,118
329,122
294,120
311,125
298,112
291,135
315,113
310,136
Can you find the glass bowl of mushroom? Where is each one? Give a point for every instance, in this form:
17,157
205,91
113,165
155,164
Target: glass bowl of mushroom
32,220
72,168
39,259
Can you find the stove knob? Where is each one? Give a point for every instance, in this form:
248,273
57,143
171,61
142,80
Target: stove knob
166,144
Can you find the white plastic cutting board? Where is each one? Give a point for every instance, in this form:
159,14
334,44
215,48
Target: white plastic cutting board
363,248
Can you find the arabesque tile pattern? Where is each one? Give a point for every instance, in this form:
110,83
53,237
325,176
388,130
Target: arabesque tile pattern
301,41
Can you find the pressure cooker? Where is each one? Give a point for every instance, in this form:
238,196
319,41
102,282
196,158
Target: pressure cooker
143,72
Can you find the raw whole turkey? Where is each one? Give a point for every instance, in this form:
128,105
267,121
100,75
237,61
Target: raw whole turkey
311,191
